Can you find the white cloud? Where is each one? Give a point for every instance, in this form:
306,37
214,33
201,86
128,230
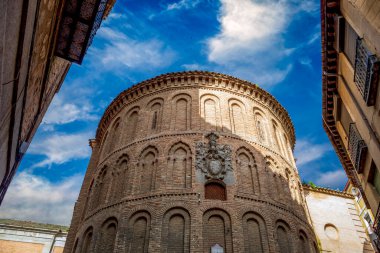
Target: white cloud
122,52
183,4
59,148
246,28
332,179
306,151
65,110
34,198
250,43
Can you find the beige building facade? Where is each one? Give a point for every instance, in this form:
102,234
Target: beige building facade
192,162
351,103
30,237
39,41
336,221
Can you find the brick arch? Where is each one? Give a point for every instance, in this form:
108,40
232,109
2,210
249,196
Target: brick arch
89,196
86,244
255,233
131,124
303,242
237,113
276,135
248,174
108,233
274,178
138,232
179,166
217,230
149,148
123,157
120,178
147,170
101,186
180,112
211,118
179,204
103,150
283,237
175,231
113,136
155,108
261,126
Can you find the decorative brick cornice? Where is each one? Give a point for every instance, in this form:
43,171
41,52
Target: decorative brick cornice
199,79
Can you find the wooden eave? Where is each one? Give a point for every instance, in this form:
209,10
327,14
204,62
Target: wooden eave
330,57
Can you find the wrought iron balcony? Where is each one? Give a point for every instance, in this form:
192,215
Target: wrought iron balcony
376,229
356,148
366,76
79,22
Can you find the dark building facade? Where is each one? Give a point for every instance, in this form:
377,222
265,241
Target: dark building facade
40,40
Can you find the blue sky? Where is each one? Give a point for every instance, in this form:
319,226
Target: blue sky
274,43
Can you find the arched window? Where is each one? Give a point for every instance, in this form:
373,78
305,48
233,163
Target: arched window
115,135
107,236
303,243
139,228
260,126
155,107
176,231
237,118
217,230
181,112
87,240
148,165
131,124
75,246
283,238
210,114
255,235
120,178
277,138
179,164
215,190
248,174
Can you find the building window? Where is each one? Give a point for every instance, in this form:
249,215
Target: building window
344,117
154,121
356,148
215,190
374,177
366,77
350,37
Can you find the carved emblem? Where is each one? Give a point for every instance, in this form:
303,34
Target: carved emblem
213,159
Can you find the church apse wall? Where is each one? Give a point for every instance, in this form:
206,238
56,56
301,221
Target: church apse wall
192,162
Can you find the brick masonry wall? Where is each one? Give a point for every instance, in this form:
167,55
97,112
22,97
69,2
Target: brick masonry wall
144,175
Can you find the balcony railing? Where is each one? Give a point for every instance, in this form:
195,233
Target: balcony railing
366,76
79,22
356,148
376,229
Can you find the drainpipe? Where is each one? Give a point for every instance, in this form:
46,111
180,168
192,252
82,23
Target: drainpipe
54,239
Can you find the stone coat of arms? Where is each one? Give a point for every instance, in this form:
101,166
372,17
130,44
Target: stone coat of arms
213,159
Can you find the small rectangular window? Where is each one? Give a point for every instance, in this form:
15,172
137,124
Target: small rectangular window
154,121
345,118
374,177
350,37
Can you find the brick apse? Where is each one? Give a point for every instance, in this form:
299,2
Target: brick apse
192,162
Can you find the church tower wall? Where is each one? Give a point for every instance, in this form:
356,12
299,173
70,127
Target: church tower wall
189,161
